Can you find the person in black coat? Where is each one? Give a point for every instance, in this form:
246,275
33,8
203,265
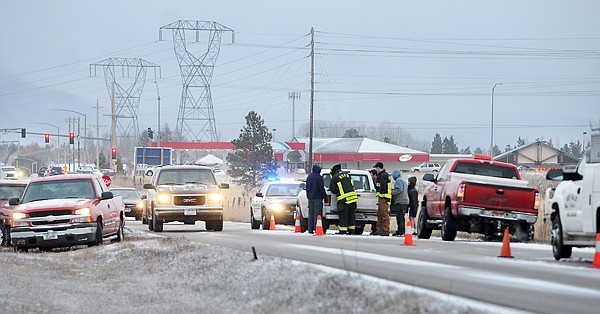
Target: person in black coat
315,192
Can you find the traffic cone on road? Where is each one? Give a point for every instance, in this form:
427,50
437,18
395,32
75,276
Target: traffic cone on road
272,225
596,263
319,229
297,227
408,233
505,252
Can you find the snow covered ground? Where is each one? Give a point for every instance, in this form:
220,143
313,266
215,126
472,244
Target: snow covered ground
154,274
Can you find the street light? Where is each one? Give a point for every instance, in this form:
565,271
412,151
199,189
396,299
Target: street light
492,125
84,126
583,143
158,99
57,139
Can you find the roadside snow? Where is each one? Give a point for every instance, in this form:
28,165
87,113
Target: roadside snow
155,274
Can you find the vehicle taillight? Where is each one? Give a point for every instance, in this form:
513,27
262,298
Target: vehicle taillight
328,200
536,202
460,195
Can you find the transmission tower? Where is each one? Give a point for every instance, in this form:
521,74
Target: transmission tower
125,78
196,118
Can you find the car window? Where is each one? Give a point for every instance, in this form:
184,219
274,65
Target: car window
7,192
284,189
485,169
59,189
185,176
126,193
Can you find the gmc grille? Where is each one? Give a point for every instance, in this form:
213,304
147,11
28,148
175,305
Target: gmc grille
50,213
189,200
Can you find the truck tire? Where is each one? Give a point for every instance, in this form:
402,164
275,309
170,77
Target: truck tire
254,224
156,224
449,225
423,232
149,221
359,230
217,225
266,223
120,233
98,239
3,233
556,239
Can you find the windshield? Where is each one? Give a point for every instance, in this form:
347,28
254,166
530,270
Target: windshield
59,189
127,194
8,192
9,169
485,169
186,176
284,189
360,181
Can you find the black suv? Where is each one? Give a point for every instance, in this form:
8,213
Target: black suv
54,171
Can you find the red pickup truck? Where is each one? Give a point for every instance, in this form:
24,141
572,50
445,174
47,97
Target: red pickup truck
479,196
66,210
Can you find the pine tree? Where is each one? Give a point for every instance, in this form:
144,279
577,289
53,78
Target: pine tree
252,160
449,146
351,133
520,142
478,150
466,150
436,145
496,151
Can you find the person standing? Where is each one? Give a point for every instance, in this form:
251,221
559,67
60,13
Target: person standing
373,173
342,186
315,192
399,201
384,198
413,202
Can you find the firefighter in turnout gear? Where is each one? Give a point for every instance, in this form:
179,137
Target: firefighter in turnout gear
384,198
342,186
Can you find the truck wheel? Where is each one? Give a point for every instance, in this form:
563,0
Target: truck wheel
359,230
120,233
423,232
254,224
157,224
325,223
266,223
3,236
149,221
98,239
556,239
218,225
449,225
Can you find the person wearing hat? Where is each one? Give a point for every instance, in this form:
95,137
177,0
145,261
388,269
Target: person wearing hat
342,187
384,198
399,201
315,192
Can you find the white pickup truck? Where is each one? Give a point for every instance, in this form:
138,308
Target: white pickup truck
574,205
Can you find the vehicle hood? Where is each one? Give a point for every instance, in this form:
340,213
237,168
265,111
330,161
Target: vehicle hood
281,199
53,204
132,201
187,188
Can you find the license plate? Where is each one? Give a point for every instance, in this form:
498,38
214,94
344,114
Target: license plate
359,216
188,212
50,235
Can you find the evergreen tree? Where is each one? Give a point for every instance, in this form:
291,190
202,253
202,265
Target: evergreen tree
496,151
103,164
575,149
449,146
478,150
252,160
352,133
565,149
466,151
507,148
436,145
520,142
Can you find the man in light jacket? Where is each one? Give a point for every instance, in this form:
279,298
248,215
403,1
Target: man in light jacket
400,201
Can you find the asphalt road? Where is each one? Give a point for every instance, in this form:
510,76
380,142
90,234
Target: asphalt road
531,281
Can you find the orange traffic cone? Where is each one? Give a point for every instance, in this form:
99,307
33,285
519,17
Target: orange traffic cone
319,229
596,263
408,239
272,225
297,228
506,245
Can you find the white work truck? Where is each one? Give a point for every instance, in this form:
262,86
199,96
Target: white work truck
574,205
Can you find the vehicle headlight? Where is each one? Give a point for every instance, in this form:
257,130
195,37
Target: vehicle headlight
276,207
16,220
214,198
164,198
17,216
85,213
139,205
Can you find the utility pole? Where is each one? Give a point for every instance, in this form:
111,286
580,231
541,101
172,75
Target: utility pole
158,99
293,96
78,141
312,96
113,127
97,133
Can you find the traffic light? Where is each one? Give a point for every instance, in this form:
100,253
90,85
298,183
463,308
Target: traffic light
114,153
71,138
150,133
46,138
23,133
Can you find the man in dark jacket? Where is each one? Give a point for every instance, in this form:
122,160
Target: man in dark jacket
315,192
342,187
384,198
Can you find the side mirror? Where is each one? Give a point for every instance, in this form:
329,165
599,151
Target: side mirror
148,186
144,196
428,177
259,194
149,173
106,196
224,185
13,201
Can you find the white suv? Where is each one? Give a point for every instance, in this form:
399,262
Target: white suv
426,167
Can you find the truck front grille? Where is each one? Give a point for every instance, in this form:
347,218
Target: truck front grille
52,217
192,200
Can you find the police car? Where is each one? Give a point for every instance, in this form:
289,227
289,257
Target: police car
277,198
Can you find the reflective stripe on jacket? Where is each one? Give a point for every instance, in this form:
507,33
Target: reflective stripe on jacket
384,186
344,188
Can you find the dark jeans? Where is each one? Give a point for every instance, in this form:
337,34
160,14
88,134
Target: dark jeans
315,208
400,210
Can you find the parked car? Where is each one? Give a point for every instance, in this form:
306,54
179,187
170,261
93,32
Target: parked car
525,168
56,170
9,189
134,202
42,171
276,198
108,172
426,167
63,211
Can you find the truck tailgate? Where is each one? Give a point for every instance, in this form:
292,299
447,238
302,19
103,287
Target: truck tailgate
500,197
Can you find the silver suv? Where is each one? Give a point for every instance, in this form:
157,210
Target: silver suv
186,194
426,167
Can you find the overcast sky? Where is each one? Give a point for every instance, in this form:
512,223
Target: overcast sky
425,66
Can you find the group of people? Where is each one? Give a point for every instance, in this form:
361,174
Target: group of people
402,199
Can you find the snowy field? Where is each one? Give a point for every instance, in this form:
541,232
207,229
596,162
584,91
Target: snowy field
154,274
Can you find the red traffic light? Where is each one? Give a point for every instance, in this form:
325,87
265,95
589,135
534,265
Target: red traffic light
71,138
114,153
46,138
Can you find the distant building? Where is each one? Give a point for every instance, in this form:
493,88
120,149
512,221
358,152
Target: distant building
538,155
